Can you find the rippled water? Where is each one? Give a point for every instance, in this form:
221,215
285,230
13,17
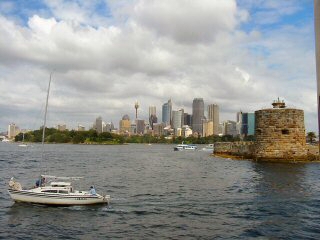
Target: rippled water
162,194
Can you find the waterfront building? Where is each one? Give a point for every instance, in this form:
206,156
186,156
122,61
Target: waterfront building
108,127
197,115
152,116
124,125
140,126
158,129
187,120
98,125
230,128
61,127
247,124
133,129
186,131
207,128
213,115
167,112
13,130
81,128
176,119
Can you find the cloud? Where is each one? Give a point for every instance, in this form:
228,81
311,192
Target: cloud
149,51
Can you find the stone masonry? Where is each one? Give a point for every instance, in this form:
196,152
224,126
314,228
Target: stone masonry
280,134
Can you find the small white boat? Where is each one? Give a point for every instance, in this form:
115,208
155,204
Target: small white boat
208,148
53,190
181,147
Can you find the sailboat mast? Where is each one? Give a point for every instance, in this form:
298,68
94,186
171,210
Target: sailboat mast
45,115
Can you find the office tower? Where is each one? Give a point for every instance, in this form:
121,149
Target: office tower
13,130
197,115
98,125
247,124
230,128
152,116
167,112
317,41
213,115
108,127
176,119
158,129
136,106
207,128
140,126
187,119
124,125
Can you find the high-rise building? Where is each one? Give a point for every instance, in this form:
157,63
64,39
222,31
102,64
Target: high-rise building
176,119
207,128
125,125
187,119
140,126
158,129
248,124
13,130
98,125
213,115
152,116
230,128
167,112
197,115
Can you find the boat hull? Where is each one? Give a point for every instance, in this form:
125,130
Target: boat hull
28,196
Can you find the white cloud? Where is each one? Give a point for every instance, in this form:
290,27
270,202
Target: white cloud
150,51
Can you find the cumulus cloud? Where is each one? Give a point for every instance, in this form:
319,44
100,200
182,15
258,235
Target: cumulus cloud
148,51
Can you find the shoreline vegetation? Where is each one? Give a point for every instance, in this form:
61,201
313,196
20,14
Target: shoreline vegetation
91,137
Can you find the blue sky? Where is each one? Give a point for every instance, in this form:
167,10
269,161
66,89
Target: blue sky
108,54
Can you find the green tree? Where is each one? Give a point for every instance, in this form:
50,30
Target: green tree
311,136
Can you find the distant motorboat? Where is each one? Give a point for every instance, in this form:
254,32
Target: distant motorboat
208,148
6,140
182,147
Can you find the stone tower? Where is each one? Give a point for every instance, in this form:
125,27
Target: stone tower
280,133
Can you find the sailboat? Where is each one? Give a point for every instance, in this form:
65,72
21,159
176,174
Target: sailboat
23,144
53,190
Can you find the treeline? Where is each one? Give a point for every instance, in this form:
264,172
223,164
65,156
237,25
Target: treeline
92,137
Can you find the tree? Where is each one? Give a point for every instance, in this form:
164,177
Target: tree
311,136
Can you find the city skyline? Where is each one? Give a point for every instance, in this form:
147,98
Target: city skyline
238,54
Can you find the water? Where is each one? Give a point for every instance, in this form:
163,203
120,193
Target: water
162,194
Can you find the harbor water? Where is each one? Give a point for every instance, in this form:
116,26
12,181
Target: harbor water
157,193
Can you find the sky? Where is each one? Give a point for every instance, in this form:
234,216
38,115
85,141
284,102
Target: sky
107,54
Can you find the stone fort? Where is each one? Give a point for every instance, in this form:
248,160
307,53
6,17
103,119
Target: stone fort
279,133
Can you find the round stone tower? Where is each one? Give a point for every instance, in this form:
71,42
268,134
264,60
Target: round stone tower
280,133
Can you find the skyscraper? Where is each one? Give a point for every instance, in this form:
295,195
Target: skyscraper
197,115
213,115
152,116
98,124
248,124
124,125
167,112
176,119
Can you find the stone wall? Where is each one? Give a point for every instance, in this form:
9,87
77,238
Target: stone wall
280,134
243,149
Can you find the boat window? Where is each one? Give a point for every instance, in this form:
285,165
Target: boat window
50,191
63,191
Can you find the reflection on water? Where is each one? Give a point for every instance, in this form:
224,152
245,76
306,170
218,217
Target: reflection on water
159,193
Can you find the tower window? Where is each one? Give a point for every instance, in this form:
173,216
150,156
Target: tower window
285,131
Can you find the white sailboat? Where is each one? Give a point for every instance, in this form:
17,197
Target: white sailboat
53,190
